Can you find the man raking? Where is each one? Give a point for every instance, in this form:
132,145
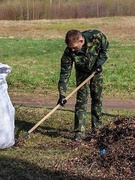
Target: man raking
87,51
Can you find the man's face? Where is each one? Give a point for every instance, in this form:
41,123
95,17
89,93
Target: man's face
77,45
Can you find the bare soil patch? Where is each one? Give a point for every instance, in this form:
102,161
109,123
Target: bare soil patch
33,100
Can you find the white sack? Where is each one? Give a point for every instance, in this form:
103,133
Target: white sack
7,111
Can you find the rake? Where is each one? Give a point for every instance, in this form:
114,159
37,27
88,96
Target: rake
56,107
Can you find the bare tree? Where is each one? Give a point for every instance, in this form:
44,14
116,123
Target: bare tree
28,16
21,10
33,7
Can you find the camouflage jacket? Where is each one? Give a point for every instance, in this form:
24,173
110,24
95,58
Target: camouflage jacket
93,53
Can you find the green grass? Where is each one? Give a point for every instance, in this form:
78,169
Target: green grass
36,65
120,70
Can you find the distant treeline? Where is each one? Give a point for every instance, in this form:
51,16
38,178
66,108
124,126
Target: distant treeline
64,9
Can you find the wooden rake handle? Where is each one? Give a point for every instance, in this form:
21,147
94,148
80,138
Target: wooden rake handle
78,87
54,109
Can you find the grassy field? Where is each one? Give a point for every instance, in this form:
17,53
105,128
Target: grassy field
36,66
33,50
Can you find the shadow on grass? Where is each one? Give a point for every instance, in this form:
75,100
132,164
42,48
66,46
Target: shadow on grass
18,169
46,130
22,126
109,115
72,111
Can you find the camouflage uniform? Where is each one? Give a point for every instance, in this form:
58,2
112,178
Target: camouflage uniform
92,54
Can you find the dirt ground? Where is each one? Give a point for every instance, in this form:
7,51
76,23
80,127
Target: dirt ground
39,101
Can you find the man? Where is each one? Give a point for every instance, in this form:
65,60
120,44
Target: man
88,51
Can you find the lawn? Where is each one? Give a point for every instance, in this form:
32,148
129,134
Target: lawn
36,65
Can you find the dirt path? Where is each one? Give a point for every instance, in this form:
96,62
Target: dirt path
40,101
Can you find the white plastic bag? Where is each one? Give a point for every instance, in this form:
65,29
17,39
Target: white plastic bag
7,111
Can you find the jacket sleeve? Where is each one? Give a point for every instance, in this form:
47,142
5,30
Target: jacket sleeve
104,47
65,72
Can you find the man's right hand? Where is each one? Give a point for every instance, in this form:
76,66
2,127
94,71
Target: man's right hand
62,100
98,69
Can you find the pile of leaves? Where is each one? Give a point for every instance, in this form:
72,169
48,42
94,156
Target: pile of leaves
111,153
118,143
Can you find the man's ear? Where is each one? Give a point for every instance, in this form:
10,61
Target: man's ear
81,40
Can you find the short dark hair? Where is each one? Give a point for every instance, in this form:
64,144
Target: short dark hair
72,36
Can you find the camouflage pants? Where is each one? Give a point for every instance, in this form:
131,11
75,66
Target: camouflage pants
94,89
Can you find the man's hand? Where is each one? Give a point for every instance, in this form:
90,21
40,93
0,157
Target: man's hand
62,101
98,69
